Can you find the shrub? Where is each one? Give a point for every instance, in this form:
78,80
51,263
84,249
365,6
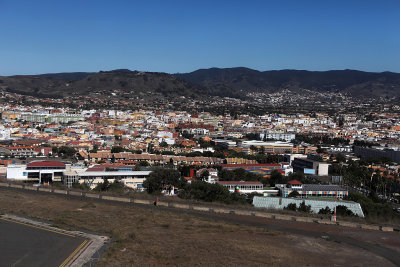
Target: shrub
343,211
201,190
325,210
304,208
291,206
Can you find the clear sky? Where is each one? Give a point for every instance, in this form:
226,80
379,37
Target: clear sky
47,36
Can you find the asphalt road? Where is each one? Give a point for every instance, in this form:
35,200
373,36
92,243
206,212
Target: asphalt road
25,245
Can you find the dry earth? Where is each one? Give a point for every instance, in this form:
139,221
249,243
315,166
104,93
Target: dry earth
150,236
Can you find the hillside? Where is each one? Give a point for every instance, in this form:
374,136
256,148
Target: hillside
118,81
222,82
357,83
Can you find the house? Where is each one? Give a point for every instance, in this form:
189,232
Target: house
212,176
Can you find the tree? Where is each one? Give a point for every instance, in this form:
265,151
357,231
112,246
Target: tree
102,186
144,163
343,211
276,178
95,148
204,175
160,178
304,208
201,190
117,149
291,206
340,158
163,144
116,186
67,151
325,210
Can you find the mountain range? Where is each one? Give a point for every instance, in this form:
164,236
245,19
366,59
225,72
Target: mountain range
214,81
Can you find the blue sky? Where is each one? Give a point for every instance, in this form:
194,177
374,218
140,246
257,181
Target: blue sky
172,36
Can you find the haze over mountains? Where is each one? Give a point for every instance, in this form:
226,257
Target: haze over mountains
215,81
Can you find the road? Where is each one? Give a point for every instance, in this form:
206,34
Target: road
26,245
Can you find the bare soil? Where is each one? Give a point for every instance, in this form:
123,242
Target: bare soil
156,236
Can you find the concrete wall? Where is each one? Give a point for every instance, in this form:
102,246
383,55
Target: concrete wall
279,203
17,172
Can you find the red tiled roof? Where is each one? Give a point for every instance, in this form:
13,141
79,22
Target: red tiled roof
294,182
46,163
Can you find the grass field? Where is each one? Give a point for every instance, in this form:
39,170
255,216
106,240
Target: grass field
148,236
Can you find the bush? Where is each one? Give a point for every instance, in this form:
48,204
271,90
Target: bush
304,208
291,206
373,207
204,191
343,211
81,186
326,210
116,186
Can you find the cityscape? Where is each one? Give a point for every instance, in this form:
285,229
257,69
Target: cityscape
169,160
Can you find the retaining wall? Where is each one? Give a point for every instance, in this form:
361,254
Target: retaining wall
279,203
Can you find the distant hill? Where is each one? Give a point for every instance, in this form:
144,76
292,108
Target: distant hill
222,82
122,81
357,83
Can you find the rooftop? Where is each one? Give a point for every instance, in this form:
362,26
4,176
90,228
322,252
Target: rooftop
45,163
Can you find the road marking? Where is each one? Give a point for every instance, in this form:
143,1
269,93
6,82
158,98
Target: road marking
38,227
73,253
18,261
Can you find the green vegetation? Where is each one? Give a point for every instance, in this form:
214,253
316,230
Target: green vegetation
302,207
375,209
106,186
357,175
118,149
343,211
81,186
325,210
320,139
204,191
65,151
160,178
291,206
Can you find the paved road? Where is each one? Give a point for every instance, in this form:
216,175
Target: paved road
25,245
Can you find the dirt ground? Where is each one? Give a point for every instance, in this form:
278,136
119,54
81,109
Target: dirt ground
152,236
